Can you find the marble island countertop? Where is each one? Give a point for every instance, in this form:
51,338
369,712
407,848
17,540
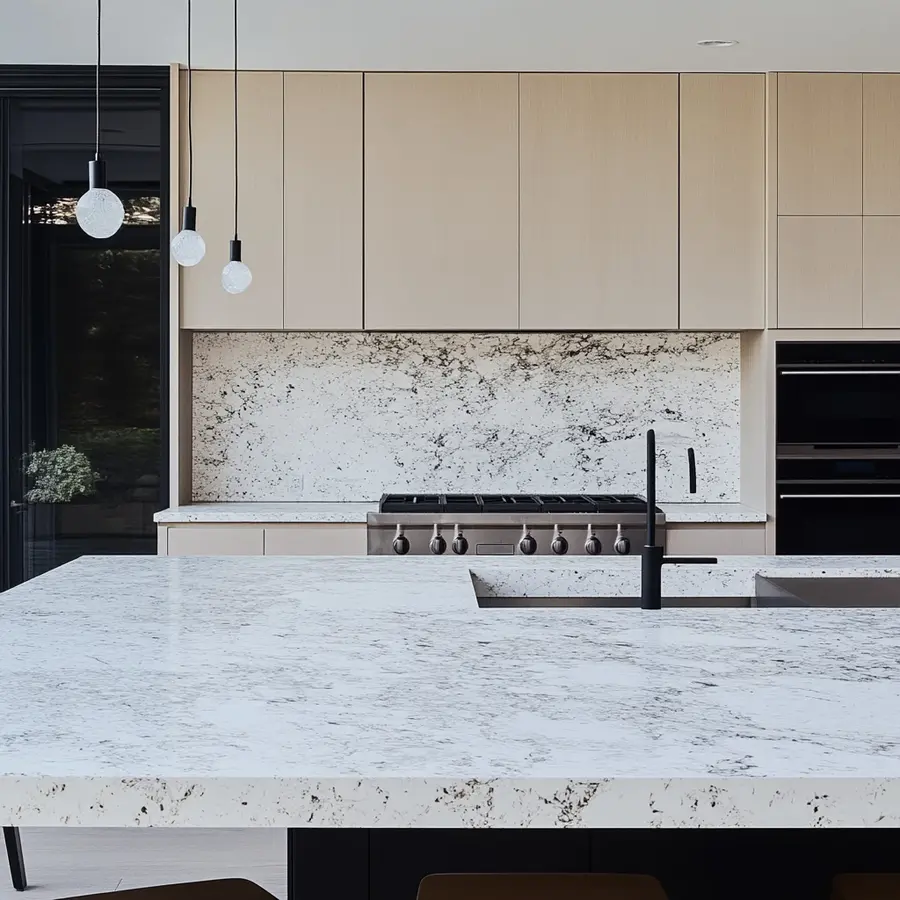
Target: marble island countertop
375,692
313,512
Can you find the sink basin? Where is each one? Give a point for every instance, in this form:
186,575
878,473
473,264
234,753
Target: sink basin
611,602
828,593
771,593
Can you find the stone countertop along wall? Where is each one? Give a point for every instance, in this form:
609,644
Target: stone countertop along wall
345,417
322,511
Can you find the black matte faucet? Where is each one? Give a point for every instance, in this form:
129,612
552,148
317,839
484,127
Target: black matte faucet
652,557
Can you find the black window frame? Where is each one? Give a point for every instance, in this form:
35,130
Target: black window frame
57,82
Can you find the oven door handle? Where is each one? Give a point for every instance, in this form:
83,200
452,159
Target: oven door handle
839,496
839,372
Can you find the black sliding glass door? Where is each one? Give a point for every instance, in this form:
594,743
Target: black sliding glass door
84,321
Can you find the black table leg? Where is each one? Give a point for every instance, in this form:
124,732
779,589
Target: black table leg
328,862
16,860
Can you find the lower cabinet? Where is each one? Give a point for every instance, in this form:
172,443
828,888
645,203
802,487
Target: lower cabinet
307,539
213,540
742,539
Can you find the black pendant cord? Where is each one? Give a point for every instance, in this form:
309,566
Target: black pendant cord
190,104
235,119
97,82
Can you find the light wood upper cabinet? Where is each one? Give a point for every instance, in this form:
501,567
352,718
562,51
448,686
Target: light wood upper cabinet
820,272
205,303
881,272
323,200
881,145
723,201
599,201
441,201
820,157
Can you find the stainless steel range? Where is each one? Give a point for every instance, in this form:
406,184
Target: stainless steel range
510,524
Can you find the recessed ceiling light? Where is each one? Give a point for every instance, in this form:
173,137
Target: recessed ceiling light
717,43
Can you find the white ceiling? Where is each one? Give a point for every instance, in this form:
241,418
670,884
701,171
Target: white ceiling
509,35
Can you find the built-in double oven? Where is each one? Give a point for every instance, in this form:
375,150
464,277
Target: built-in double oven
837,464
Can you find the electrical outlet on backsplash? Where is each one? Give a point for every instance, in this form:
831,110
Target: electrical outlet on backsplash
347,416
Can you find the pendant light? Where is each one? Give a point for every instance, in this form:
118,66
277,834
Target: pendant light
188,247
236,276
99,212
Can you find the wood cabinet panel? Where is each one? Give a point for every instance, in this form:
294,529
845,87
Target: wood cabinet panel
881,271
723,202
745,539
316,539
441,201
205,303
599,201
212,540
323,200
881,140
820,154
820,272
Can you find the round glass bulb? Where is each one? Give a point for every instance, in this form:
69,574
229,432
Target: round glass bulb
236,277
188,247
100,213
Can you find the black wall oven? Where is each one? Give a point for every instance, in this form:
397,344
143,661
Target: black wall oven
838,448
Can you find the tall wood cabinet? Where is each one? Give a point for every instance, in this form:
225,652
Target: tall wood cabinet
838,200
323,200
261,199
881,145
599,201
722,201
820,147
441,201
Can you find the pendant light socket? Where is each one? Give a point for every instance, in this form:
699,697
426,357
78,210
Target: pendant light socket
189,218
235,251
96,173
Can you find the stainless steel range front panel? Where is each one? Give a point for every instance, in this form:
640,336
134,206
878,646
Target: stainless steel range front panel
499,534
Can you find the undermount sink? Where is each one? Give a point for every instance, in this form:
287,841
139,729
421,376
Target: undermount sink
771,593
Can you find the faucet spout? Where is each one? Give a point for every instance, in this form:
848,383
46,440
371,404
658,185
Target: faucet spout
653,557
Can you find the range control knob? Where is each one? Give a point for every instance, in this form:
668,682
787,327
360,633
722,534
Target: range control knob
592,545
528,545
460,544
438,545
559,545
622,545
401,543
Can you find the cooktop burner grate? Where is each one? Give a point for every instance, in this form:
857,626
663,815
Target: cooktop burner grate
512,503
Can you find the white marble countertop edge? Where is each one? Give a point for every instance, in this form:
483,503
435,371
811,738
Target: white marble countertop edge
314,512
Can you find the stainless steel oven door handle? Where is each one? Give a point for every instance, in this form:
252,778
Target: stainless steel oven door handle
841,372
839,496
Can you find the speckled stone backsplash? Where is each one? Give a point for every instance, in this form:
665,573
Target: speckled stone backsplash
322,416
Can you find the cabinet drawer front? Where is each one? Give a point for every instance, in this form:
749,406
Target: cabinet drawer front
316,540
226,540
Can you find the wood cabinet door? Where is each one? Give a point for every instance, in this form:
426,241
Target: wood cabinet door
881,145
881,272
441,201
722,202
820,272
323,201
205,303
820,144
599,201
215,540
320,539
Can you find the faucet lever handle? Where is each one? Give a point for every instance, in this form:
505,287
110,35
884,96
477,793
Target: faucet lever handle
692,471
